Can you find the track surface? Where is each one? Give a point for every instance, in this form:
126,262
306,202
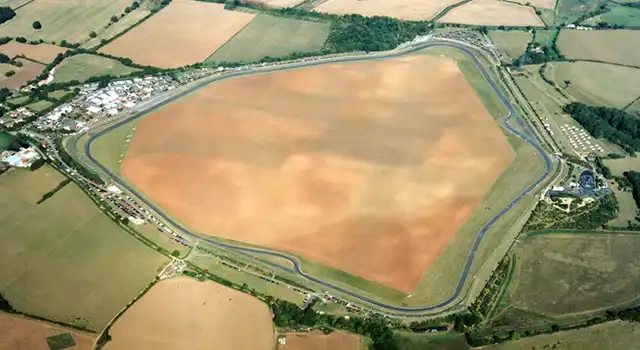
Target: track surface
527,136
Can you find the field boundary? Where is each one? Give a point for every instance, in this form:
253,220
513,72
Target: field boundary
447,9
297,268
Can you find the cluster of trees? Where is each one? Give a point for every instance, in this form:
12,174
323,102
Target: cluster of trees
482,304
359,33
603,169
6,13
590,217
634,180
288,315
537,53
608,123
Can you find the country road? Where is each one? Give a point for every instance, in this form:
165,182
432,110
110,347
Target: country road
527,135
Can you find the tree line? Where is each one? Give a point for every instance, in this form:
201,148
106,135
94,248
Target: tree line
608,123
634,179
290,316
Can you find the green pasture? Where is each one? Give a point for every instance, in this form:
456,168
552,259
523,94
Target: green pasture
213,265
439,341
619,15
39,105
59,94
62,20
544,37
568,11
608,336
564,273
84,66
513,42
108,32
20,100
274,37
63,259
110,148
597,84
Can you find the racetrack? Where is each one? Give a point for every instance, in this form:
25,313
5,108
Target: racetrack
526,136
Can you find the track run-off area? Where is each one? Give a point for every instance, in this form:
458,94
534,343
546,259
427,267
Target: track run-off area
526,135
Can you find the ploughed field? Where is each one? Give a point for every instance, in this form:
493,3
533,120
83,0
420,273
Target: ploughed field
367,167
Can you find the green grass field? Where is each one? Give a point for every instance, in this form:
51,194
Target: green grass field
65,20
64,259
609,336
619,15
513,43
272,36
566,273
253,282
110,148
39,105
444,341
114,29
82,67
568,11
544,37
547,103
614,46
598,84
59,93
19,100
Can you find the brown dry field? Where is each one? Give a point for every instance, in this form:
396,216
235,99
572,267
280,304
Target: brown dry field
278,3
183,33
412,10
336,163
28,71
493,12
316,340
182,313
18,333
43,53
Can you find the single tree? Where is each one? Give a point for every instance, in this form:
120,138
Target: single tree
10,73
93,35
114,18
37,25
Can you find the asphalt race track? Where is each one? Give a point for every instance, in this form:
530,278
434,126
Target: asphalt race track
527,136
